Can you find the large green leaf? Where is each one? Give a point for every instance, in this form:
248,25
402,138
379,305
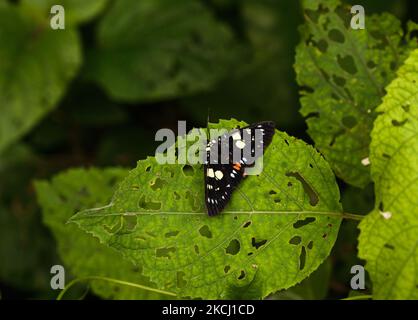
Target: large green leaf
277,229
343,73
36,65
389,235
82,254
314,287
159,49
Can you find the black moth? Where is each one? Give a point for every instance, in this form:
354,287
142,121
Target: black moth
222,179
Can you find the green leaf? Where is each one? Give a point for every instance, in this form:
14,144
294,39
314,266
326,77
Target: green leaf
343,73
389,235
150,50
36,65
277,229
76,11
315,287
84,256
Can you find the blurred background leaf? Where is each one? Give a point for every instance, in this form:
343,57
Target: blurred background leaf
343,73
36,65
153,50
82,254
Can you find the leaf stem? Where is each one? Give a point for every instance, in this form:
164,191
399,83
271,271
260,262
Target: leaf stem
352,216
121,282
362,297
344,215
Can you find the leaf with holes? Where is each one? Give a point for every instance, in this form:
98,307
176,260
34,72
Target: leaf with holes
36,65
277,229
343,73
140,58
82,255
389,235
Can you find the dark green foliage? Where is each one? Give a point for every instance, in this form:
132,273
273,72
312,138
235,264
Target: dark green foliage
94,94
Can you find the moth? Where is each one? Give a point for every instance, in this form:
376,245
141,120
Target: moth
223,174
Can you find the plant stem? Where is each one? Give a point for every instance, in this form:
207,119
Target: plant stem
363,297
352,216
124,283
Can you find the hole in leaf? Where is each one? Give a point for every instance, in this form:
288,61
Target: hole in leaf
149,205
349,122
301,223
310,245
233,247
339,81
385,155
389,246
250,254
205,232
336,35
129,222
324,235
313,197
157,184
311,115
347,64
257,244
302,258
176,196
322,45
295,240
226,269
381,207
405,107
247,224
193,203
181,282
272,192
397,123
335,136
188,170
289,184
148,169
310,165
164,252
171,234
277,200
242,275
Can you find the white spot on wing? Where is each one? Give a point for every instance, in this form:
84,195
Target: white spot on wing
218,174
210,173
